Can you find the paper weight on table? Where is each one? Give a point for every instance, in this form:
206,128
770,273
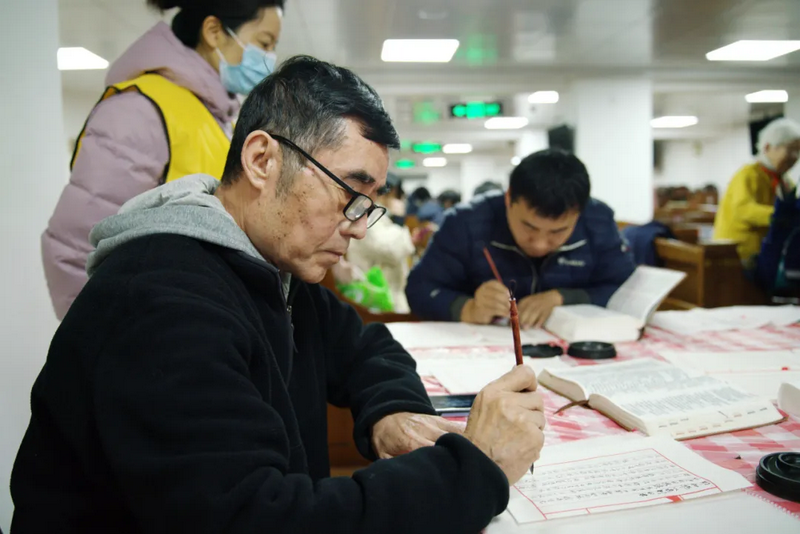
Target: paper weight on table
779,474
542,350
592,350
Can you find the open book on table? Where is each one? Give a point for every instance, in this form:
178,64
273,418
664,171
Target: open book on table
758,372
626,314
661,399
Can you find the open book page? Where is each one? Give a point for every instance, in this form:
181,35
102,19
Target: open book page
641,294
710,407
747,316
661,399
640,376
722,319
445,334
759,373
614,473
463,375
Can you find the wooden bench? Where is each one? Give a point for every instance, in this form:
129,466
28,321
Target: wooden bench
714,275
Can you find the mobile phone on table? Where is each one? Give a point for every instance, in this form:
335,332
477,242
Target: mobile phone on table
450,404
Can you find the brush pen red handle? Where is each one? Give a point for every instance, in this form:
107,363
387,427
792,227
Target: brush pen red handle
492,265
515,331
514,312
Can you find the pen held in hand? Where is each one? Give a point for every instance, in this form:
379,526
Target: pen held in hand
514,311
514,314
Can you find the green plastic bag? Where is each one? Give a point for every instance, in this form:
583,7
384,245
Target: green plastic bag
372,293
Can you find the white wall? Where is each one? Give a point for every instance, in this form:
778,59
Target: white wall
442,178
695,163
615,141
453,176
32,159
792,111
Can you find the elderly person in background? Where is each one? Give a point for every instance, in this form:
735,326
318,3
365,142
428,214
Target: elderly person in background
747,207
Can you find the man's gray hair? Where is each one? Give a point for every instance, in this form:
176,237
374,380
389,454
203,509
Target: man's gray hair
778,133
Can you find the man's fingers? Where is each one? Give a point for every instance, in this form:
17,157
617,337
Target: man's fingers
529,401
447,426
425,436
496,287
520,378
501,308
528,318
537,417
497,308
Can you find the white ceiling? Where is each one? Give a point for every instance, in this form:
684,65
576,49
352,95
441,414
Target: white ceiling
508,47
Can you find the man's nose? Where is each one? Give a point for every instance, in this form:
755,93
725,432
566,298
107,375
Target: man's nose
540,247
355,230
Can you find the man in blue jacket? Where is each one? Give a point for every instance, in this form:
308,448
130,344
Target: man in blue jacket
551,242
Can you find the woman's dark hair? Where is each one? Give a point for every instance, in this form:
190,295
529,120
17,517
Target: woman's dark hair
552,182
232,13
308,101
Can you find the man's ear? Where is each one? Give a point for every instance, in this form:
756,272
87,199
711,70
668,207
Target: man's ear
260,160
508,199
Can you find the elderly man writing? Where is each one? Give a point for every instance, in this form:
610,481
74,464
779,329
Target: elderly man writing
746,209
186,389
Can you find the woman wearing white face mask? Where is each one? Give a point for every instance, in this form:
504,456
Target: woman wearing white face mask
167,113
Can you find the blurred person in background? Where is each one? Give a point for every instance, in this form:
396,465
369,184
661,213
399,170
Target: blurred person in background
167,113
449,198
434,209
395,199
417,198
746,209
389,247
710,194
487,186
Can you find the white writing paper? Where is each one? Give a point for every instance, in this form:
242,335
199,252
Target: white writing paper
607,474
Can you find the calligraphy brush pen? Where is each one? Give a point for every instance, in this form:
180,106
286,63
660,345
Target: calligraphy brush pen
514,313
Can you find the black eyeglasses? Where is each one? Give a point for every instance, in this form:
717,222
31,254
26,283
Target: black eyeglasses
359,205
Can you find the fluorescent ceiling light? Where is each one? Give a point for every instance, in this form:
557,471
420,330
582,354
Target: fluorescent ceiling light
516,160
419,50
543,97
753,50
768,95
506,123
457,148
434,162
674,121
78,58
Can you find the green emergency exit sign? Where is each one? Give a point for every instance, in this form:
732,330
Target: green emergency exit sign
476,110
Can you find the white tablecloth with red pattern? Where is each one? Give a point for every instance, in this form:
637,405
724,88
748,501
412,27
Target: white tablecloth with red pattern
739,451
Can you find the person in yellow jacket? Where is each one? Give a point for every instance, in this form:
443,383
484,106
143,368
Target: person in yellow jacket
167,113
745,212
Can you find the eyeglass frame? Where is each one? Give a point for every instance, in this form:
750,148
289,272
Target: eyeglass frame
352,192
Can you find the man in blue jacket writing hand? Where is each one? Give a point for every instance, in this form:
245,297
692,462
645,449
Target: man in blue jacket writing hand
552,243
